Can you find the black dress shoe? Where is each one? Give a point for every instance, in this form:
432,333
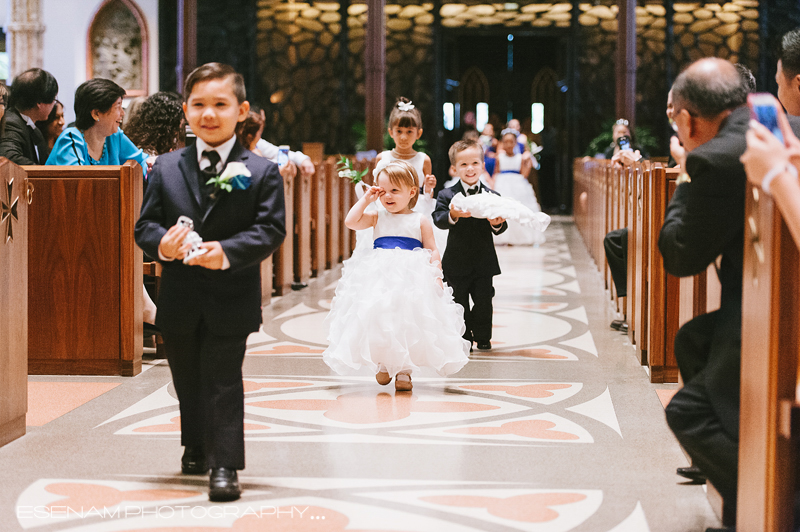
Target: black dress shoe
223,485
484,346
193,461
620,325
723,529
693,473
150,329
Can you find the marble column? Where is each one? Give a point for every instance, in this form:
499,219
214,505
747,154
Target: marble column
24,36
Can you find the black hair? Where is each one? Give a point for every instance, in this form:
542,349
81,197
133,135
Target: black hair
157,126
400,118
747,76
789,54
33,87
95,95
211,71
709,92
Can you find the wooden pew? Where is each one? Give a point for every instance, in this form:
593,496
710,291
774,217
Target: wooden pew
84,271
319,186
283,259
302,229
770,329
13,301
638,251
333,227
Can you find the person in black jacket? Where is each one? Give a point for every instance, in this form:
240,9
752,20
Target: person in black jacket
33,95
470,260
705,220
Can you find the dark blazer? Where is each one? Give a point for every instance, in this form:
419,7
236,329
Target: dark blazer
18,141
470,244
249,224
705,219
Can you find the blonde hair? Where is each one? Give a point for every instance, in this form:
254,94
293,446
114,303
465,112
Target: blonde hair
402,174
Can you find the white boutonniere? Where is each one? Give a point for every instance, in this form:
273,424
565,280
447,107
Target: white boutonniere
235,176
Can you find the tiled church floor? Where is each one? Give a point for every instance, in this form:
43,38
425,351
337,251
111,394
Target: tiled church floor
556,429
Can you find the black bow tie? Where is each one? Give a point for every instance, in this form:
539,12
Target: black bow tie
473,190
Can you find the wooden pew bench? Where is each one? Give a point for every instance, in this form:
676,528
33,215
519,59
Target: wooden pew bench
84,271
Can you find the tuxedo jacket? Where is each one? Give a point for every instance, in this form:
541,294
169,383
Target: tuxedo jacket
18,141
249,224
470,242
705,219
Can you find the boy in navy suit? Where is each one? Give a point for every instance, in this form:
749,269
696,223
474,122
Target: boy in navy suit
469,261
208,305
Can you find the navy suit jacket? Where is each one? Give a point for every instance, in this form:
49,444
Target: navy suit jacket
470,242
249,224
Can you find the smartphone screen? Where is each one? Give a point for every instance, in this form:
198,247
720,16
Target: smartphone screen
764,110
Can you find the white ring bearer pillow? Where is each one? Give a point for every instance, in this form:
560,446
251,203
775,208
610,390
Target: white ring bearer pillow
494,206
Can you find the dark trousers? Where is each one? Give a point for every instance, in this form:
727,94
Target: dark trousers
207,374
478,319
704,413
616,246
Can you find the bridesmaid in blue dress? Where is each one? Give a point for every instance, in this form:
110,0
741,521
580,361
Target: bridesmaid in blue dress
96,137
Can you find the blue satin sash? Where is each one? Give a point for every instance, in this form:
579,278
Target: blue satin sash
396,242
509,171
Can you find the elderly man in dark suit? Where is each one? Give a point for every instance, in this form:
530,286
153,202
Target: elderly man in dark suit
33,95
705,220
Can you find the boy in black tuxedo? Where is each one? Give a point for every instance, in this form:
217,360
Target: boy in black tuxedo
469,261
208,305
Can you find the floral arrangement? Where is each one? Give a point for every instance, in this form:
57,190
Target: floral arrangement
236,176
346,170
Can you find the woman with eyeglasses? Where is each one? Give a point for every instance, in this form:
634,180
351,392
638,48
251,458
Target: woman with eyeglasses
96,137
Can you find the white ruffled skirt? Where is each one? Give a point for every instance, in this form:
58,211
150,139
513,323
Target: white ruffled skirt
390,311
513,185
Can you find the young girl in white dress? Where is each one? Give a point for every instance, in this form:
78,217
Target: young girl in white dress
405,128
391,312
510,182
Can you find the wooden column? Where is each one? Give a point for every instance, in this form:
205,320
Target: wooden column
344,143
375,58
187,40
626,61
13,301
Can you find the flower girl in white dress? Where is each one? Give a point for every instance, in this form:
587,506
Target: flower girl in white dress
391,312
510,182
405,128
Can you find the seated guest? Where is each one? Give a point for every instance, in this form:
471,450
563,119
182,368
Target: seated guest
270,151
96,137
772,165
33,95
705,219
130,111
3,105
248,132
620,131
53,126
157,126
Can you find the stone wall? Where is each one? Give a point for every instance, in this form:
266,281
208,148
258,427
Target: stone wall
299,68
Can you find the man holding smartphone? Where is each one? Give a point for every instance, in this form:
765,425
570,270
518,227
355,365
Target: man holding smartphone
705,219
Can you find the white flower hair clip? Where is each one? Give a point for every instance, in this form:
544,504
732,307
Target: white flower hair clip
405,106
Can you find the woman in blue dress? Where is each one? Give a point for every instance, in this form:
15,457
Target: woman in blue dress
96,137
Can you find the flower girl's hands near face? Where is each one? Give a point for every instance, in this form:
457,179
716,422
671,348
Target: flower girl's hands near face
429,184
373,193
455,214
497,221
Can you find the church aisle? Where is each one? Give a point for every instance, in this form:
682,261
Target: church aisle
556,429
